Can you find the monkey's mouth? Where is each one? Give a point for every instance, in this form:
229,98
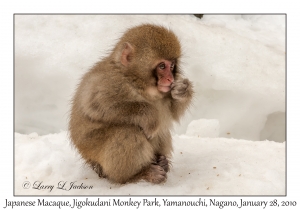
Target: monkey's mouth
164,88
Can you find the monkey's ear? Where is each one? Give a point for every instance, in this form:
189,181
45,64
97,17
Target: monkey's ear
127,54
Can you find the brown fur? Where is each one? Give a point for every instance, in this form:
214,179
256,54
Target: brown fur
119,121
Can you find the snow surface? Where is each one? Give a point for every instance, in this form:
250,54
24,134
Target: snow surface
237,65
200,166
236,62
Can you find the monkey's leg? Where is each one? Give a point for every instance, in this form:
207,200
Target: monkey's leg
128,156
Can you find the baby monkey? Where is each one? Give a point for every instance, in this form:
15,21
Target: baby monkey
124,107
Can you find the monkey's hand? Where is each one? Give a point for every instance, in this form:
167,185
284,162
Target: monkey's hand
181,89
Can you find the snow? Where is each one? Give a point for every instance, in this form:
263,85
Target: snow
201,166
203,128
231,142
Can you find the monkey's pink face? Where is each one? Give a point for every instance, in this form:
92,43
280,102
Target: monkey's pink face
164,71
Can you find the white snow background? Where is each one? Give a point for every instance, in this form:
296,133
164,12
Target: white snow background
232,140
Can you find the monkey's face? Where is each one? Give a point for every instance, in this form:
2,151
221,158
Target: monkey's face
149,54
165,75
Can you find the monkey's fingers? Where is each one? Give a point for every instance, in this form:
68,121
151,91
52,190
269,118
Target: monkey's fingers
179,89
160,157
155,174
163,162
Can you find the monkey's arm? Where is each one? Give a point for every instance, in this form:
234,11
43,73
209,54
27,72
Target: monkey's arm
137,113
113,101
182,93
116,110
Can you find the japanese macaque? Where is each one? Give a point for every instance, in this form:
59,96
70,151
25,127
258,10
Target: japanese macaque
125,105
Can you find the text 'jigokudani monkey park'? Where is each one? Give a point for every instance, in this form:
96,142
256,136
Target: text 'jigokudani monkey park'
125,105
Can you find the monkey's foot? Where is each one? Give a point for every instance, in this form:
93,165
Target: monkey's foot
163,162
155,174
97,168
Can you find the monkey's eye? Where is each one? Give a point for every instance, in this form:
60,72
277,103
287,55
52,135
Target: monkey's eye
162,66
